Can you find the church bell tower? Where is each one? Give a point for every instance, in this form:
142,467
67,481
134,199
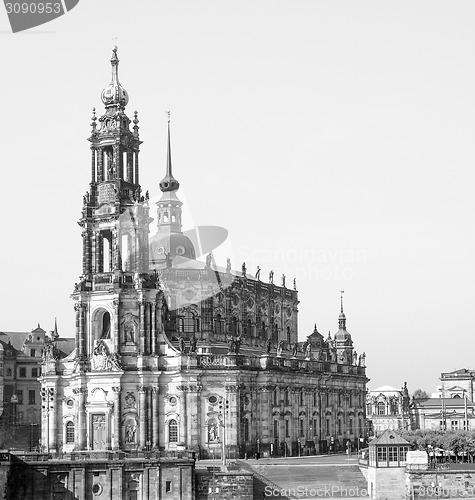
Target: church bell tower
103,388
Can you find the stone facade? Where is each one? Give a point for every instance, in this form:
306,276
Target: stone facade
172,353
20,368
388,408
32,477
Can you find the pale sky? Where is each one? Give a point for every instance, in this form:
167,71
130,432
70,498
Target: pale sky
334,140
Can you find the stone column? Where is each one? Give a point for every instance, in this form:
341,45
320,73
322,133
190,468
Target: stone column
100,165
194,430
130,167
147,315
81,394
183,417
93,165
142,390
153,347
141,327
136,167
232,429
116,326
116,430
52,423
155,417
81,334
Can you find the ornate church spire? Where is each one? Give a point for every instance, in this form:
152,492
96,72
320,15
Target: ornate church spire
114,95
169,183
342,317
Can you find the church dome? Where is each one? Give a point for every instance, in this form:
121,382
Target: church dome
172,244
114,94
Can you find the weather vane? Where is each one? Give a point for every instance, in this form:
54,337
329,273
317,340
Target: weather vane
168,114
115,42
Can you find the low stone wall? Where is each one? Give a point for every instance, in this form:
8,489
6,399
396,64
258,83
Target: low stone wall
454,483
223,485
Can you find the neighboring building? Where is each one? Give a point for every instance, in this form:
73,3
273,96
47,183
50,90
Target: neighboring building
20,369
444,413
171,353
457,384
388,408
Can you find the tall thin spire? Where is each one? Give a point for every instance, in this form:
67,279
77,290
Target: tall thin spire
342,317
55,331
169,183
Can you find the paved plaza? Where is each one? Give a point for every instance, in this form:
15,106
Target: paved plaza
327,476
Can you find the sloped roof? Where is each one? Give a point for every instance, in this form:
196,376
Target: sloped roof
390,438
447,402
16,338
385,388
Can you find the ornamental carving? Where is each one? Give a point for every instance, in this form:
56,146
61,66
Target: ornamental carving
129,328
103,360
130,400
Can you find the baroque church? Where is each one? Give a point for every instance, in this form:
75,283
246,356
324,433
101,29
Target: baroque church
172,353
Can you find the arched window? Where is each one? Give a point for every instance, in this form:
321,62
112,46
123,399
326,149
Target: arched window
381,408
246,429
288,335
106,326
263,330
172,431
301,398
234,325
188,323
218,324
248,328
70,432
275,332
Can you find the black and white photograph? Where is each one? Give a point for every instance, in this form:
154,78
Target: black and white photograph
238,249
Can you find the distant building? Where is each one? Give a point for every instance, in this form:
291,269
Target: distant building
388,408
20,369
457,384
444,413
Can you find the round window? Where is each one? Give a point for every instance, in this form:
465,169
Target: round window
161,250
96,489
180,250
212,400
172,400
70,403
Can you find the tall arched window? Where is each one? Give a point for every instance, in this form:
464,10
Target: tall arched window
381,408
263,330
248,328
246,429
234,325
188,323
172,431
218,324
70,432
106,326
288,335
275,332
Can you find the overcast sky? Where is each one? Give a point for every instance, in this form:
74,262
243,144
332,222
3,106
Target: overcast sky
333,139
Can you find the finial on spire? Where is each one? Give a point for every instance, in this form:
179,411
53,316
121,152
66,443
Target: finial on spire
55,331
169,183
168,114
114,94
341,299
